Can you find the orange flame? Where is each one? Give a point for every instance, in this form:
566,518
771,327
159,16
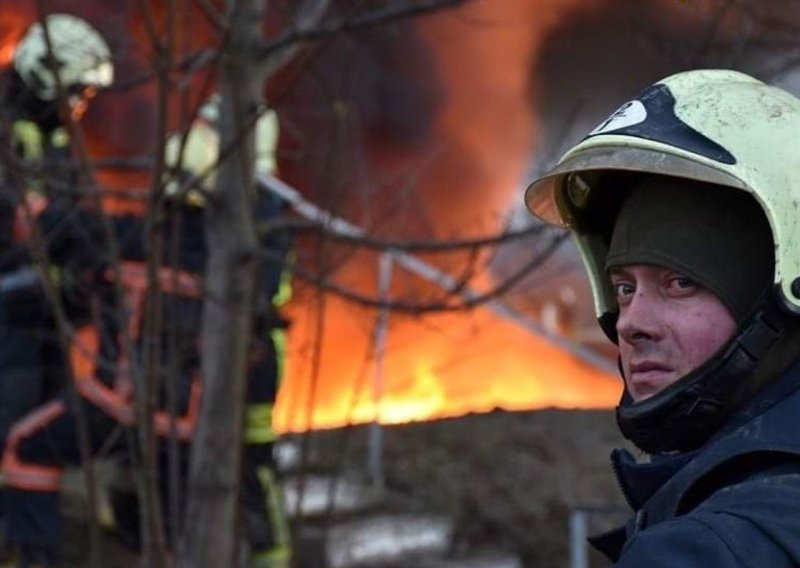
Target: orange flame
12,28
434,367
451,364
441,365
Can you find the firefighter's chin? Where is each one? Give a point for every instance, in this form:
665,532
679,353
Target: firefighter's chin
644,383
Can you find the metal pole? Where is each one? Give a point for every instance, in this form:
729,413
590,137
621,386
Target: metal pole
375,443
578,532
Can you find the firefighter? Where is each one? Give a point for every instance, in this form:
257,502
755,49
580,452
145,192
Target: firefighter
34,170
192,160
684,206
105,352
265,520
36,181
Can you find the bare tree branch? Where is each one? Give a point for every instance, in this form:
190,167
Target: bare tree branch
213,15
212,513
468,299
392,12
308,16
267,228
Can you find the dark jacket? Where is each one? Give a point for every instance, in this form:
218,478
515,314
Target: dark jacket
734,502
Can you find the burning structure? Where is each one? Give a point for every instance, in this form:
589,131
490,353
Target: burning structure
422,132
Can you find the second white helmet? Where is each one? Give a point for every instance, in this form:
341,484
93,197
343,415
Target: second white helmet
82,56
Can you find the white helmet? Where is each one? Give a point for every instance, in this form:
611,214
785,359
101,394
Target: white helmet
199,158
82,55
266,132
202,146
717,126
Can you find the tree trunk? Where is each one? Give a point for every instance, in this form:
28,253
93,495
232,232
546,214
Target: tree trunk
212,519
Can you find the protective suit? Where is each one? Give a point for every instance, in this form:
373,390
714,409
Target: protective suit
38,200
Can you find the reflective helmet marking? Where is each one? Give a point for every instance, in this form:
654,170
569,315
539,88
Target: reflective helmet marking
631,113
652,116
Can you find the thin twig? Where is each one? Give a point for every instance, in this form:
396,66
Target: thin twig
467,301
392,12
376,243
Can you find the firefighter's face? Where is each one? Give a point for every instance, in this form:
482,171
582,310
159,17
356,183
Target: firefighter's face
668,326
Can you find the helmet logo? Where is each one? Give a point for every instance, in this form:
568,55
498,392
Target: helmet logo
629,114
652,116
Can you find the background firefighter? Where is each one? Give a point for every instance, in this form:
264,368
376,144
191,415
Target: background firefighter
192,158
262,501
37,180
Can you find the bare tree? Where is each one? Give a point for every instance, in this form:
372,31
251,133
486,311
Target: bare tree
230,283
240,65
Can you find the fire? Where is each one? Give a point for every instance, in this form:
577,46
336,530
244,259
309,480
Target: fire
424,395
439,366
6,52
450,364
482,134
12,28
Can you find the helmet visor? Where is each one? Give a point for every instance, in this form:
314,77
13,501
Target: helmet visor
560,197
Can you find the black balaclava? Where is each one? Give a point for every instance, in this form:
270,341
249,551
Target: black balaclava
717,237
720,238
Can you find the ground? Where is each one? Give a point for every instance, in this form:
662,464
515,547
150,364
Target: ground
508,479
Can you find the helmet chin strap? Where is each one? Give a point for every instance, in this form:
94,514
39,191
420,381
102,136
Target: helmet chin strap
684,415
